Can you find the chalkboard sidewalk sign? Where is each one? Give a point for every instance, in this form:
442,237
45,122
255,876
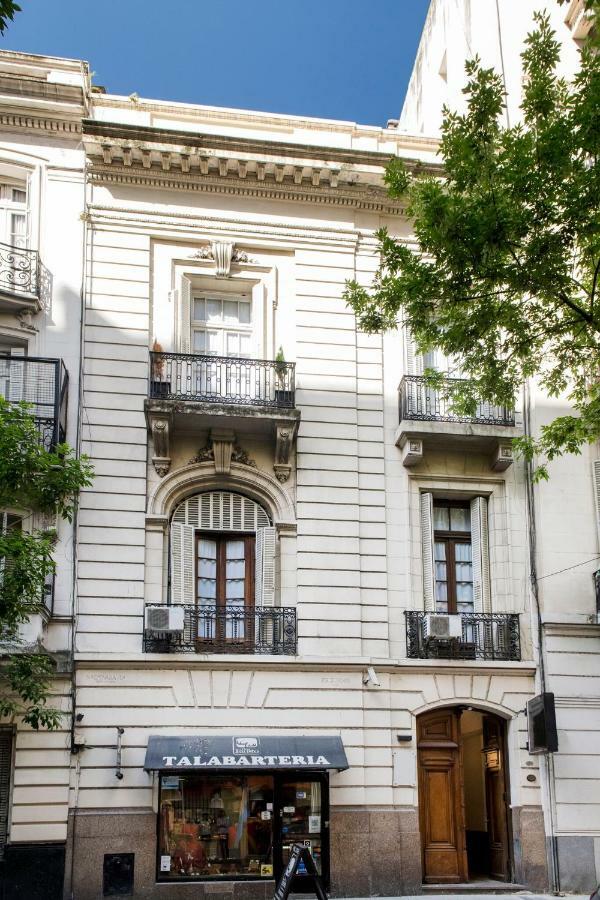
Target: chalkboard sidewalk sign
299,853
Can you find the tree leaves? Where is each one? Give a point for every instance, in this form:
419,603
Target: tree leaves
7,13
506,274
31,478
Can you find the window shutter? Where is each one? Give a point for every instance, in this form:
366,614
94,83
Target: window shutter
596,476
5,770
427,551
264,592
16,386
183,312
480,543
182,563
413,360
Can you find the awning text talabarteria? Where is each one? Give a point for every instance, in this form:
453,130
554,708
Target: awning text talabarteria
195,752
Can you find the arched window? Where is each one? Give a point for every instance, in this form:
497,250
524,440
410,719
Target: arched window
222,559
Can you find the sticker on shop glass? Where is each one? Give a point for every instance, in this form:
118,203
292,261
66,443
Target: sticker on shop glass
165,864
270,807
266,870
290,810
314,824
300,795
265,815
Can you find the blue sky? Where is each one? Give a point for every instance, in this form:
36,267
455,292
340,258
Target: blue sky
341,59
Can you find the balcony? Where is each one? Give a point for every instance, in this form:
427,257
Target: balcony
259,630
427,422
491,636
25,282
42,383
191,392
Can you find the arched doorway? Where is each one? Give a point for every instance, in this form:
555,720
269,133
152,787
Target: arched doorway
463,792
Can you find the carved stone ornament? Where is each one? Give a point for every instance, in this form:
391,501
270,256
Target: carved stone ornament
25,320
160,428
223,253
222,450
284,441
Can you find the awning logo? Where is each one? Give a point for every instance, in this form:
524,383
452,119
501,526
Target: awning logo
245,745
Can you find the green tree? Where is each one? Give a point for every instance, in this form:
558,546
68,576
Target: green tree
31,479
7,13
506,274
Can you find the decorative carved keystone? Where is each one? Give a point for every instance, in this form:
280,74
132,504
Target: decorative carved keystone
160,427
222,445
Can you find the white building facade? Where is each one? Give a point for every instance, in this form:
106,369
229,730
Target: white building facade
563,517
302,607
42,103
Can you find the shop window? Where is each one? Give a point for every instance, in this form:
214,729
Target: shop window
455,553
239,826
216,826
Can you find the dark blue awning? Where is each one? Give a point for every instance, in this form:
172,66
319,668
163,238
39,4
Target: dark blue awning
186,753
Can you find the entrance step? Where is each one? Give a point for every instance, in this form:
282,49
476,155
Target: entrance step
474,887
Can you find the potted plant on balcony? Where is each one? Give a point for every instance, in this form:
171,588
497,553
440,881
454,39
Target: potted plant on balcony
158,387
283,395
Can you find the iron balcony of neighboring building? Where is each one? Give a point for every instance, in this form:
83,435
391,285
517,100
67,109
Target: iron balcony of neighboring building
222,395
427,421
43,384
259,630
25,282
488,636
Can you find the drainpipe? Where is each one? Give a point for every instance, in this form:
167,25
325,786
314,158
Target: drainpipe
534,586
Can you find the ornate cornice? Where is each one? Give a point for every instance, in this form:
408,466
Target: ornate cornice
269,169
20,121
367,197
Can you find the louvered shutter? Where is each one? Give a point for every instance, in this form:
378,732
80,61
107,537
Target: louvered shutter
480,542
5,770
596,477
413,361
16,375
264,591
182,563
427,547
184,316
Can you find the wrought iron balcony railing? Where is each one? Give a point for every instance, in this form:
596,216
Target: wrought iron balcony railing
420,402
43,383
222,379
484,636
23,274
208,629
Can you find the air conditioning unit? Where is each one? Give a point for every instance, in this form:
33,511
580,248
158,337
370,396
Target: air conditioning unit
164,618
441,626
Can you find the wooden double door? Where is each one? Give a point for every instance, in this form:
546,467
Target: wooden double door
442,798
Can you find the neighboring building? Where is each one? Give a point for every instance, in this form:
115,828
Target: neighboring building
564,522
42,101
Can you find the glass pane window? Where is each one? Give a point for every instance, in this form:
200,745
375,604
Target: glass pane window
453,558
230,321
215,826
224,589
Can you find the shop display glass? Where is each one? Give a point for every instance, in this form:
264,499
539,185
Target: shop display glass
215,826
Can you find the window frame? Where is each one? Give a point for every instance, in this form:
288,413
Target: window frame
221,538
450,538
222,328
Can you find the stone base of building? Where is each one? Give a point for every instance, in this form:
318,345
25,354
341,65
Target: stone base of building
374,852
32,871
578,862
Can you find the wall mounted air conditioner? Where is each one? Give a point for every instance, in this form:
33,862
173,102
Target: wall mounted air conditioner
442,626
164,618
